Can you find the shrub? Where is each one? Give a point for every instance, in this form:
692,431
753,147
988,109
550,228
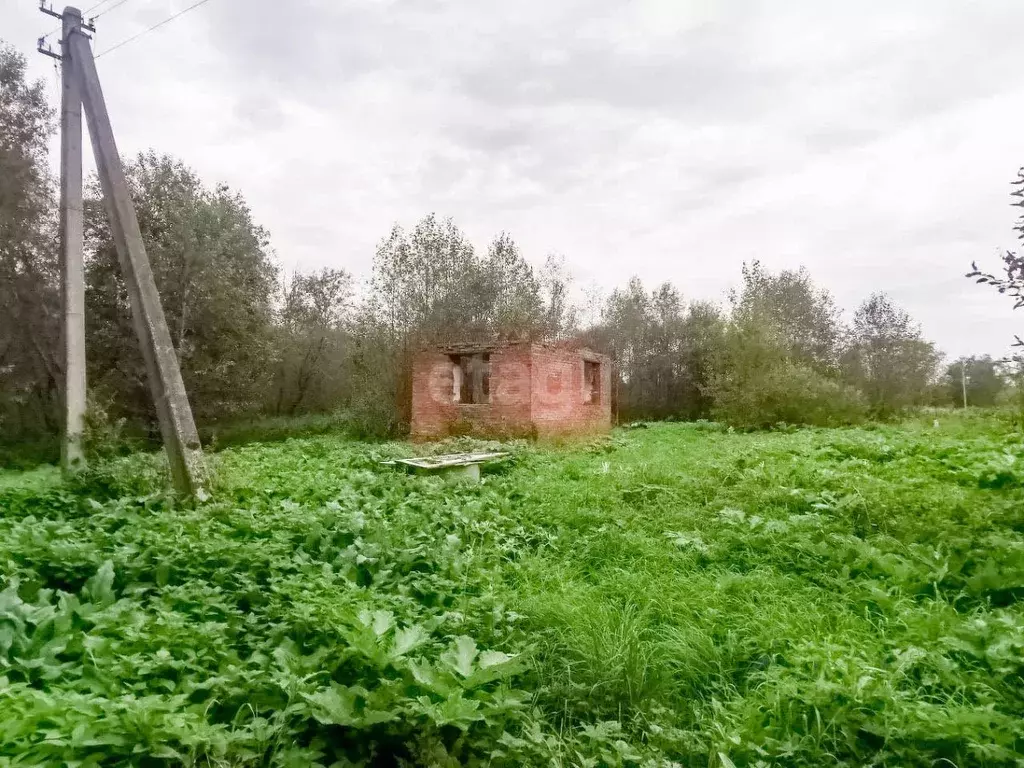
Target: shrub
758,381
105,437
787,393
1011,401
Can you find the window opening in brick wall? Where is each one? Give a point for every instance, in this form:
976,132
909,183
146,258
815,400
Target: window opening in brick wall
591,382
471,379
456,380
484,370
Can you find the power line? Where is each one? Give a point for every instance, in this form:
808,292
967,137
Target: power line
155,26
107,10
85,15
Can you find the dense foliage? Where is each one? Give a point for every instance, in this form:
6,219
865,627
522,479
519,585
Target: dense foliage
887,358
217,285
674,595
29,300
977,380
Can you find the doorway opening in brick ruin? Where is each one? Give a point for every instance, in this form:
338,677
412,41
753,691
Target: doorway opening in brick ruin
591,382
471,379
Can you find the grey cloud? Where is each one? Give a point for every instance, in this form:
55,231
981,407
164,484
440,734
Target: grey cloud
698,75
299,45
258,113
502,136
507,73
668,139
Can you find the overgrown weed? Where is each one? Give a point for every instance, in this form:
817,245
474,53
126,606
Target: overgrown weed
675,595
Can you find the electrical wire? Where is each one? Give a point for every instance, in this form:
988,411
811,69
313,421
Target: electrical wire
150,29
106,10
85,15
93,7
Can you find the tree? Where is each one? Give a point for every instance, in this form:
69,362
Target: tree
779,355
703,332
644,339
888,359
312,341
626,325
979,376
661,349
429,284
513,291
756,382
30,363
789,307
213,269
560,315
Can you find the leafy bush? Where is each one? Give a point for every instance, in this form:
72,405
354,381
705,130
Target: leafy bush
760,380
105,436
784,393
1011,401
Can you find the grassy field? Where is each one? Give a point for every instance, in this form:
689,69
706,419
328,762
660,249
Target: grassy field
674,595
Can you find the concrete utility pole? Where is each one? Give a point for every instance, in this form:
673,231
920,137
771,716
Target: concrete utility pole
181,440
72,267
963,379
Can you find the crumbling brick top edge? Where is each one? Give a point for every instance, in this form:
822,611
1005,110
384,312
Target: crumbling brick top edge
480,347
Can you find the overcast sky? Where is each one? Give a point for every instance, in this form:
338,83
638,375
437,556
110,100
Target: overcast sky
872,143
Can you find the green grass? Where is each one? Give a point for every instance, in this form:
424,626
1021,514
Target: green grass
676,595
38,479
272,429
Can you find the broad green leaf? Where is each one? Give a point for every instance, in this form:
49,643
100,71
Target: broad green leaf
424,674
626,751
165,752
454,710
376,716
100,588
382,622
512,741
334,705
603,730
460,657
407,639
6,637
162,574
490,659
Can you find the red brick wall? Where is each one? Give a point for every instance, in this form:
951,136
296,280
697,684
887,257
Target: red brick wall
508,413
559,401
535,389
431,379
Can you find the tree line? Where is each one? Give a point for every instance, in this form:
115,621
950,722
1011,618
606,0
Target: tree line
255,341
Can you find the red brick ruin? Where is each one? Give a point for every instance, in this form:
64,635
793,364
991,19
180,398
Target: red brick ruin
510,389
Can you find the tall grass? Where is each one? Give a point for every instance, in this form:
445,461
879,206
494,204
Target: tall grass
677,595
803,597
